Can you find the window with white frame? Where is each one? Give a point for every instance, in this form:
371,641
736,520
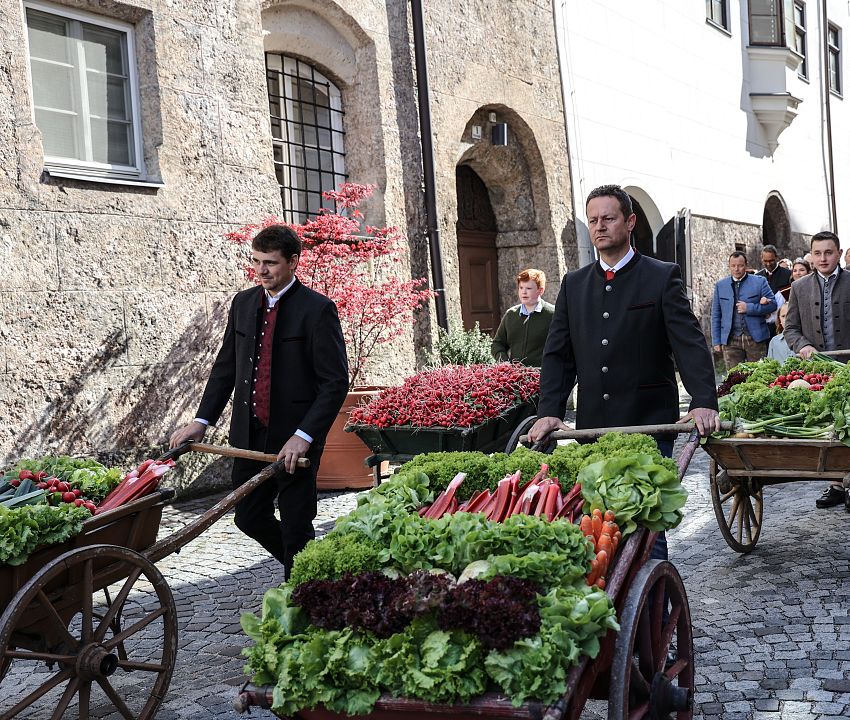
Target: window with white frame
716,13
833,43
800,37
84,92
305,110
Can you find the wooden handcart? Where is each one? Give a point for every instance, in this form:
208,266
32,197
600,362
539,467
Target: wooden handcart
634,671
402,443
97,604
742,467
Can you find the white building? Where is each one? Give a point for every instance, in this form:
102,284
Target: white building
730,115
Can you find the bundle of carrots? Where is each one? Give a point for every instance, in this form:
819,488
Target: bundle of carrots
541,496
605,535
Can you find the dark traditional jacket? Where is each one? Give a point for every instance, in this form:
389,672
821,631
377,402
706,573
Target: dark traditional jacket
803,321
778,279
521,338
309,367
620,338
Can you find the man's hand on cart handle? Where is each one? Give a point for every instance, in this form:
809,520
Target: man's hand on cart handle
544,427
193,432
706,420
296,447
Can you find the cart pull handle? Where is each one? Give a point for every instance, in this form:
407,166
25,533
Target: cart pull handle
228,451
594,433
834,353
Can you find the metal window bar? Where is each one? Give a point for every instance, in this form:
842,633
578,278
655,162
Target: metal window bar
309,152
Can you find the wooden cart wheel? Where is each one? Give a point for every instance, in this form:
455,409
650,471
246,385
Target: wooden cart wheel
738,507
130,626
643,684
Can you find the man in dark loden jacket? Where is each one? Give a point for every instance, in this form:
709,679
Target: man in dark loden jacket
283,360
618,325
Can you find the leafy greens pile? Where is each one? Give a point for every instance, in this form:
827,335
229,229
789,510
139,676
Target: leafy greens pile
94,480
22,529
415,636
792,412
637,488
485,471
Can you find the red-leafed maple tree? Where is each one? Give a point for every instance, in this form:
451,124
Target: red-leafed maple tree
356,266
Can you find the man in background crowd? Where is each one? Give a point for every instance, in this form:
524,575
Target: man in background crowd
738,315
522,332
777,277
818,320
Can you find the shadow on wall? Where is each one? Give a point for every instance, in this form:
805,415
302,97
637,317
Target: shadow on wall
117,410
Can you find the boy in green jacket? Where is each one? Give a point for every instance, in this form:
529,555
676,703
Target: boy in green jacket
522,332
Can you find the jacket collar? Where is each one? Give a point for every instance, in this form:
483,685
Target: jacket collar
626,268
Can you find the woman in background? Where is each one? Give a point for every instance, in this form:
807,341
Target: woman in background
778,348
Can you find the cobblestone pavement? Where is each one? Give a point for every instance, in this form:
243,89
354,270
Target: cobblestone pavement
772,631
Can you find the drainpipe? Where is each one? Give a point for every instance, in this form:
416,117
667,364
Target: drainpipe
833,215
429,178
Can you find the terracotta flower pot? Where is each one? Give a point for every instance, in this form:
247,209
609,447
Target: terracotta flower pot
342,465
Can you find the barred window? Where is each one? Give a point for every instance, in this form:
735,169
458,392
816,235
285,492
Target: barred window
306,115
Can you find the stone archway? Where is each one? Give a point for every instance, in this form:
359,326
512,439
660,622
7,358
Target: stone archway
515,181
775,225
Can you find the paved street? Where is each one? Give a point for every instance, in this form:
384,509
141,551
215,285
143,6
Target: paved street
772,630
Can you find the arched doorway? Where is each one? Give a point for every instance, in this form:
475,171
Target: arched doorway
643,239
775,226
478,262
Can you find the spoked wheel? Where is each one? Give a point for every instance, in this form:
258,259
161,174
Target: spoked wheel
643,683
103,645
522,429
738,508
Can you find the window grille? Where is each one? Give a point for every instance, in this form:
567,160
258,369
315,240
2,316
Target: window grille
305,110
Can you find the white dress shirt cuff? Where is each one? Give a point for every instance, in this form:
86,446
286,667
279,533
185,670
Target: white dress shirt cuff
202,421
304,436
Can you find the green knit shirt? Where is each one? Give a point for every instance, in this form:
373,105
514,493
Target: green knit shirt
521,338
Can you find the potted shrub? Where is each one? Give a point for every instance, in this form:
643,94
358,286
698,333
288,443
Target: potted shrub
356,266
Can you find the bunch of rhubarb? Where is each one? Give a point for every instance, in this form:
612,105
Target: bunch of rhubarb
541,496
136,484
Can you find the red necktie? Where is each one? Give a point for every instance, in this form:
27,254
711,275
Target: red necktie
609,274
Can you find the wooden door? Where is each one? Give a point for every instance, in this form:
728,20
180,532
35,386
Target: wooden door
479,283
477,256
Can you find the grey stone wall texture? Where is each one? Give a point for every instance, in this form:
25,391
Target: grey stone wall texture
113,298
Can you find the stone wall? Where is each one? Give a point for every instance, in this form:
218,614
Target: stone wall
114,297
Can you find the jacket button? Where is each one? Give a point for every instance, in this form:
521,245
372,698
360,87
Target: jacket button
817,317
604,368
605,315
606,396
608,288
604,341
245,381
244,402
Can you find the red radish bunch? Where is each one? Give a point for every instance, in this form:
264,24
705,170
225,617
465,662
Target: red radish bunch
452,396
136,484
816,380
541,496
58,490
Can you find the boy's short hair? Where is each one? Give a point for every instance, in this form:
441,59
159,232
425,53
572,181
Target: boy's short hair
538,276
